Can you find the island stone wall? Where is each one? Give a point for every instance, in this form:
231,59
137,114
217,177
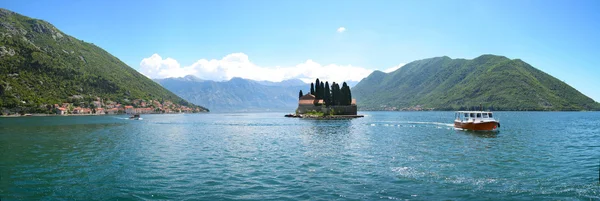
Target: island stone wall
338,109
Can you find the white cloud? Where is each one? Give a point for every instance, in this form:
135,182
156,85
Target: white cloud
341,29
239,65
157,67
394,68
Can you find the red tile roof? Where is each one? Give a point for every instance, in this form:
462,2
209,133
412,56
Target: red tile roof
307,97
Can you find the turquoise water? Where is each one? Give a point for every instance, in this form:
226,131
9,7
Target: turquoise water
263,156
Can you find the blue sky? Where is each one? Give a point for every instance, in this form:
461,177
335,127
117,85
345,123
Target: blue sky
558,37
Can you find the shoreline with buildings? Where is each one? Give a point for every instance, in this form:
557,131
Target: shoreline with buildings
100,107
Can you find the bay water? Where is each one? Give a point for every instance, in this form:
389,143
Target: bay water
264,156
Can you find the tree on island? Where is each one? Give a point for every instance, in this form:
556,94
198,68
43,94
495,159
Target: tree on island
330,94
347,96
327,97
336,94
317,89
322,90
300,94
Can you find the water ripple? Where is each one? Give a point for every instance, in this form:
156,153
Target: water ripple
385,155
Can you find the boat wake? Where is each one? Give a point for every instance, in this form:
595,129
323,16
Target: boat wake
440,125
432,123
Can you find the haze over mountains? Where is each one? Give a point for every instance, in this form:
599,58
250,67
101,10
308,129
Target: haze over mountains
41,66
237,94
443,83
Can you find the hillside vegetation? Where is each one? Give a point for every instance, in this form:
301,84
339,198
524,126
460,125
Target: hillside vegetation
441,83
40,66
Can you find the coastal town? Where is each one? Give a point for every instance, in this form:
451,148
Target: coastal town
107,107
137,106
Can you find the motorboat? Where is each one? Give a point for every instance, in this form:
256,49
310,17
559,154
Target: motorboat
476,121
135,117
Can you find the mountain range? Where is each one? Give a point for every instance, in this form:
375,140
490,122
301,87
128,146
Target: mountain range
40,66
238,94
442,83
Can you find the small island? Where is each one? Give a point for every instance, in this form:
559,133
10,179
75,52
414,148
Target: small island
326,102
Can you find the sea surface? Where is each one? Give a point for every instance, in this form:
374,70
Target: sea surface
264,156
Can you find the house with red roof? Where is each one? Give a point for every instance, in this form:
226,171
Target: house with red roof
61,111
129,109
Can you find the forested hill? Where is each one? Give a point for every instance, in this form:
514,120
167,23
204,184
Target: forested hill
441,83
40,66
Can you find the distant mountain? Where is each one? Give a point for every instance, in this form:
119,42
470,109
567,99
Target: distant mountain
41,66
285,83
442,83
351,83
238,94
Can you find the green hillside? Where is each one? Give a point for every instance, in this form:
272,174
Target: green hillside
442,83
40,65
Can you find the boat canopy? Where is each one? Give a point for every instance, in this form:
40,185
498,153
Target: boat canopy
466,115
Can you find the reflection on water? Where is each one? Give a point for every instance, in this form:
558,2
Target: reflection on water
385,155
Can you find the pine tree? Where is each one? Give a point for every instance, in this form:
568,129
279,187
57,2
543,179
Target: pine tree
300,94
312,89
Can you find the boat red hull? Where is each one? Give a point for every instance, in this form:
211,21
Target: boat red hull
477,126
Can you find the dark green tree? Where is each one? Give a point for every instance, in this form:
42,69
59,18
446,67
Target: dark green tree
327,97
342,97
312,89
300,94
335,93
346,94
317,89
322,90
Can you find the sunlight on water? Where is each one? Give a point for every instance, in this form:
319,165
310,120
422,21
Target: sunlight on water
385,155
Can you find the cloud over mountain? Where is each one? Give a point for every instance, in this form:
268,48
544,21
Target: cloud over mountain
239,65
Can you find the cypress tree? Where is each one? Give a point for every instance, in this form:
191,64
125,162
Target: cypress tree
336,94
312,89
300,94
343,95
322,90
347,99
333,95
349,96
327,98
317,90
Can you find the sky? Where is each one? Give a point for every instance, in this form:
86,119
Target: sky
332,40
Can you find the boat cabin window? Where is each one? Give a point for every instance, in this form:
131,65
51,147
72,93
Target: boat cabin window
485,115
466,115
491,115
472,115
478,115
